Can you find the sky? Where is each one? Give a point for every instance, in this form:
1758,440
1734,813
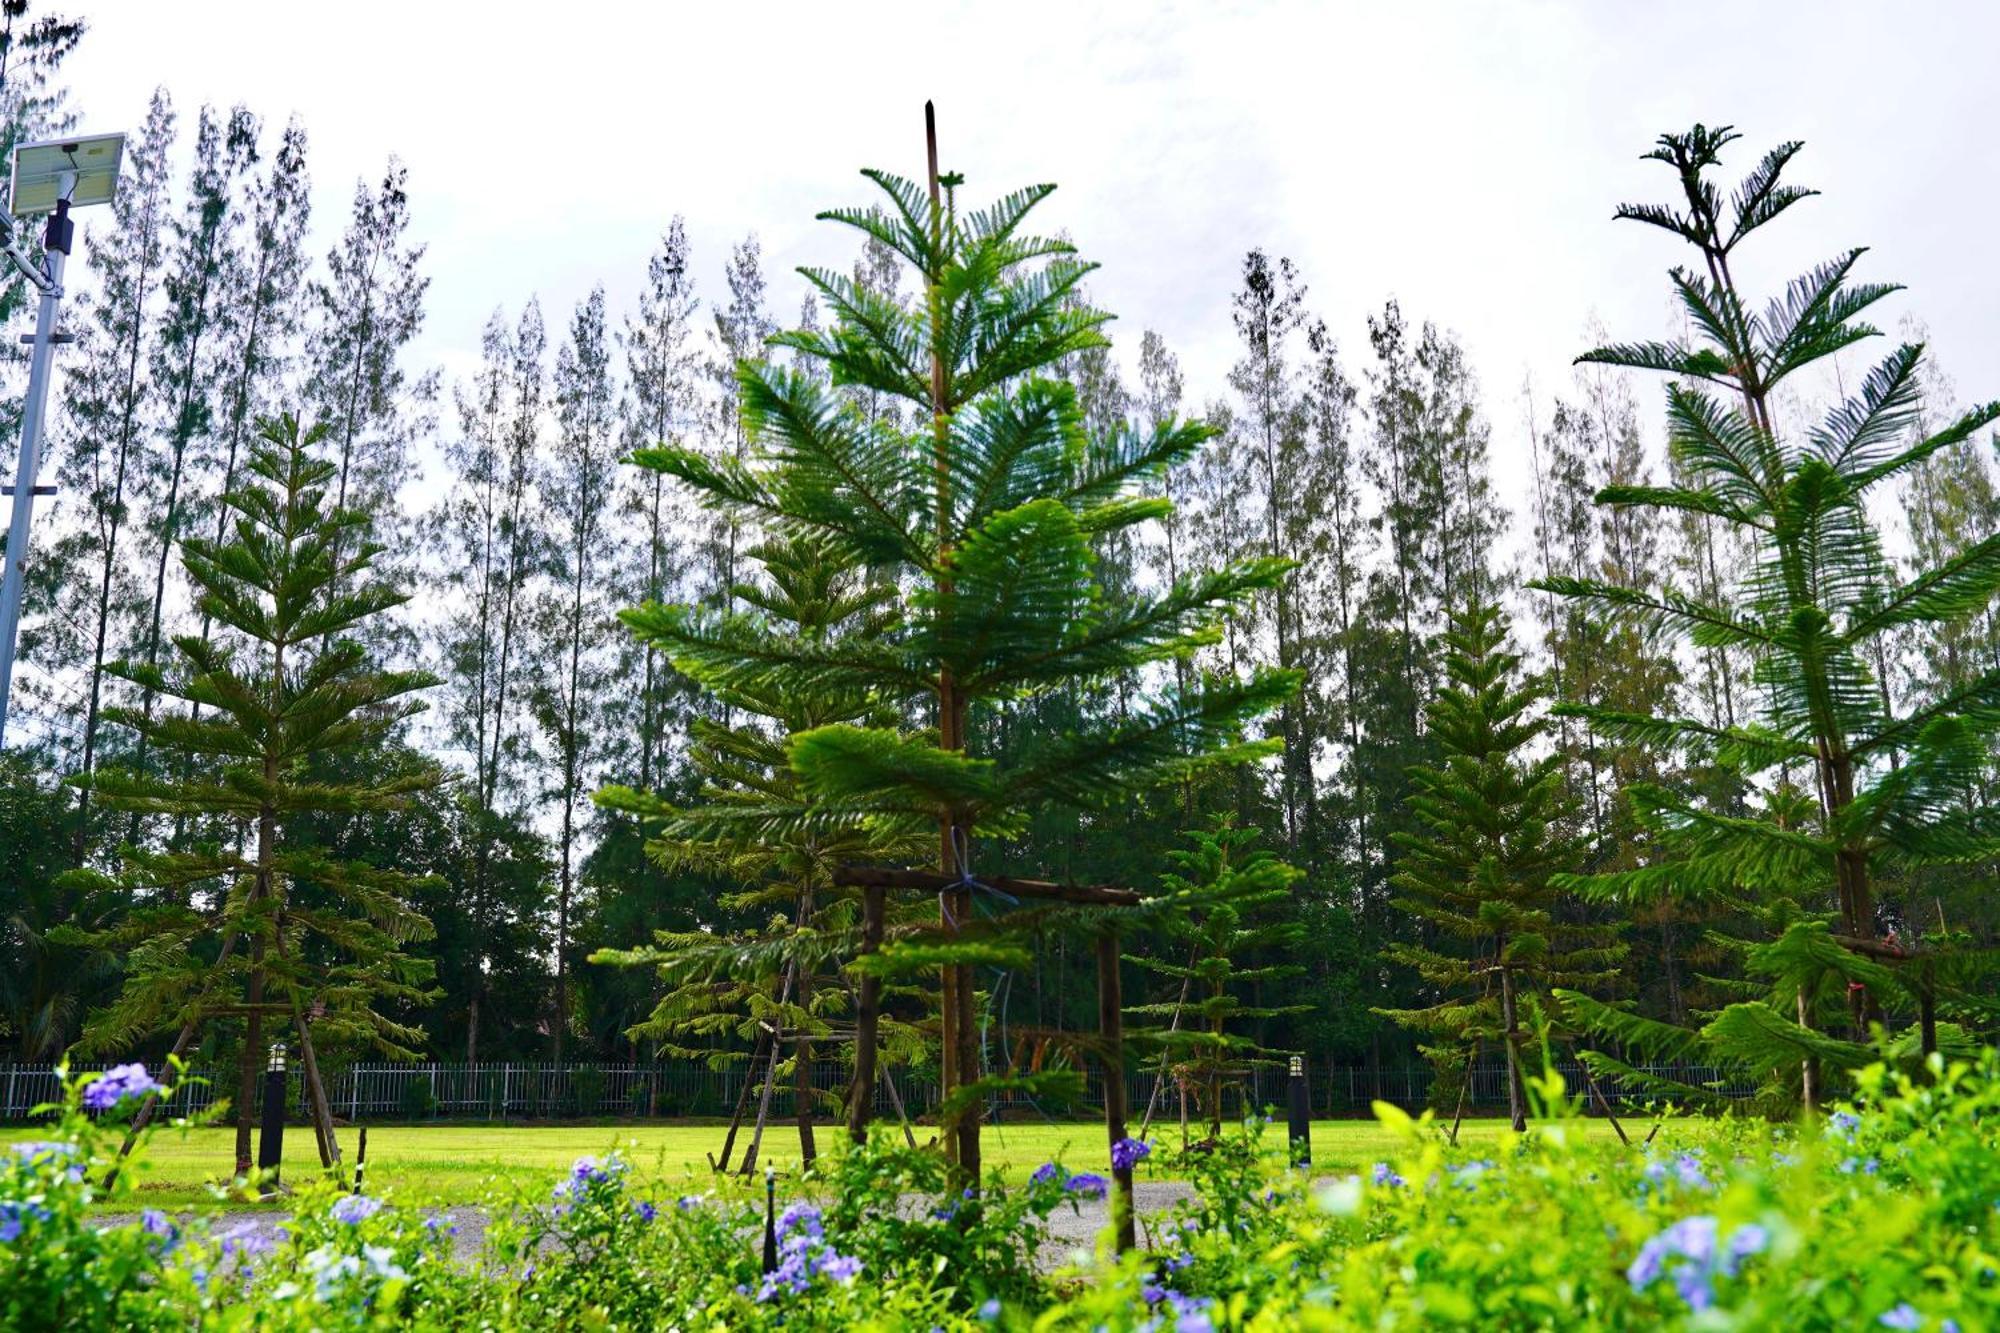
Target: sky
1464,159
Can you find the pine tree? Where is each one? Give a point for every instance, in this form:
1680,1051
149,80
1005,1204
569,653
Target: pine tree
1818,596
203,271
1269,312
367,308
574,618
661,406
1476,871
267,300
1215,892
989,509
785,878
1335,579
110,396
300,690
476,534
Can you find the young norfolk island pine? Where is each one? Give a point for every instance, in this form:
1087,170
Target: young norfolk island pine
258,926
1884,786
984,512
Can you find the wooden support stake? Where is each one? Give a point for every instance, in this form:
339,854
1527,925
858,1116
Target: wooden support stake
867,1019
1111,1028
932,881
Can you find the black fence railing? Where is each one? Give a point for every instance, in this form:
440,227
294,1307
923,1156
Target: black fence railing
683,1089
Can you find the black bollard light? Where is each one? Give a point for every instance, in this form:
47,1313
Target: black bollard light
770,1219
271,1141
1301,1115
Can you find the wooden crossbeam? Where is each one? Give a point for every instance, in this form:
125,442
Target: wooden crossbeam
932,881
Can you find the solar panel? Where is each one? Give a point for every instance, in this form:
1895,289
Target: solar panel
41,171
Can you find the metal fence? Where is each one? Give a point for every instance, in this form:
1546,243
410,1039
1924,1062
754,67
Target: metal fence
683,1089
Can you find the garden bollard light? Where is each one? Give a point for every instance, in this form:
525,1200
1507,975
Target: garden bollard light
271,1142
1301,1115
770,1219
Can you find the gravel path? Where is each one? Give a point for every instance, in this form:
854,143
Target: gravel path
1070,1229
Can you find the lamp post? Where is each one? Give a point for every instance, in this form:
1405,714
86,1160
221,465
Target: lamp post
48,178
1301,1114
271,1140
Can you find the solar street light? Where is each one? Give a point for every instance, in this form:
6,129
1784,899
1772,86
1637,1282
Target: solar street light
51,177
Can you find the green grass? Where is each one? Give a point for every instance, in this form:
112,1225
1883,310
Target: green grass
461,1164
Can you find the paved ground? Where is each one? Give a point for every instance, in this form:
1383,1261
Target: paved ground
1072,1228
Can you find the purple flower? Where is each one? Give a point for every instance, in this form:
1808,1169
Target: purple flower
1866,1166
156,1223
116,1084
10,1222
1386,1177
1047,1173
243,1242
354,1209
1688,1252
801,1219
1903,1316
839,1267
1466,1175
687,1201
645,1210
990,1310
1087,1185
1128,1153
1685,1169
1845,1123
1191,1313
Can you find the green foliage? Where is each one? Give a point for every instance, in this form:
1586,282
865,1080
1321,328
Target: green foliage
1712,1224
1211,912
986,518
1477,873
1815,613
289,581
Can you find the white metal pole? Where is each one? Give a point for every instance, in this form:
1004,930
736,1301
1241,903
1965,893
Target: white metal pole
26,471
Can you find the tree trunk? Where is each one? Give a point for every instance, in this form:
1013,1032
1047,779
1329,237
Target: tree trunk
1111,1031
1517,1101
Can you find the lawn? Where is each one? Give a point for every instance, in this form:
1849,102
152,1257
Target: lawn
458,1164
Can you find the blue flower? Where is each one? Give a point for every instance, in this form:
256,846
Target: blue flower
1048,1173
1128,1153
354,1209
1087,1185
1903,1316
1191,1313
1866,1166
1685,1169
1385,1176
990,1310
1688,1252
644,1209
116,1084
1845,1123
801,1219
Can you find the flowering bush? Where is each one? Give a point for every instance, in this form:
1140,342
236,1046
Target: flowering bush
1723,1224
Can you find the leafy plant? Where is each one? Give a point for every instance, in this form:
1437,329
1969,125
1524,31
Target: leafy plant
1880,788
985,514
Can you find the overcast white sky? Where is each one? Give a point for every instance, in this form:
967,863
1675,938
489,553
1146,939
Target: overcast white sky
1464,158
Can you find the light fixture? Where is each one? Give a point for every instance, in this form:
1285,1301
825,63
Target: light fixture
87,166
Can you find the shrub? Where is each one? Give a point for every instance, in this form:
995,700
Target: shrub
1880,1216
419,1101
